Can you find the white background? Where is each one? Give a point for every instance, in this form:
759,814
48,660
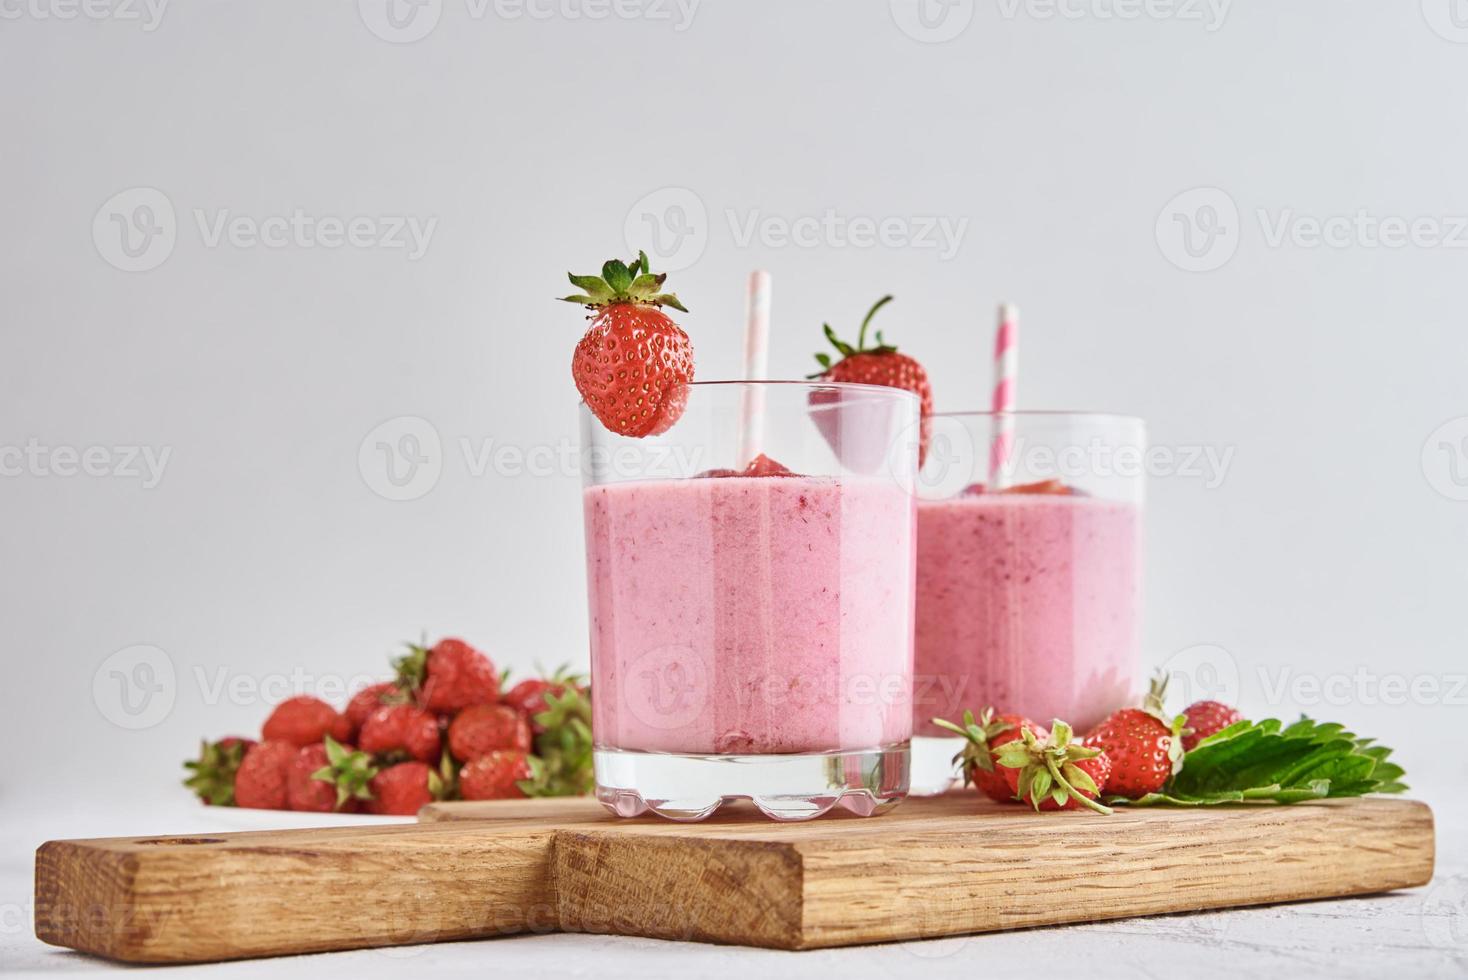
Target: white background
531,138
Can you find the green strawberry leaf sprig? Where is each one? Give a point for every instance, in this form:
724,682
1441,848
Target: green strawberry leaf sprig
1269,761
562,762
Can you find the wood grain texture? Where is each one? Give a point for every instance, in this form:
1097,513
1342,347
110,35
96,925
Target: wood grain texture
933,867
173,900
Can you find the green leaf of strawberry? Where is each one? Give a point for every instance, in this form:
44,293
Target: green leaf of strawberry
620,282
1267,760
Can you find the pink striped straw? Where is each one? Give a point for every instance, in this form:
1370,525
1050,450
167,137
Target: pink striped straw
756,364
1006,380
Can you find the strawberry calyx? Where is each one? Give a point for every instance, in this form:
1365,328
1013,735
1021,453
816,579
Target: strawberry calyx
978,734
348,770
211,775
846,350
412,668
622,282
1048,768
561,764
443,783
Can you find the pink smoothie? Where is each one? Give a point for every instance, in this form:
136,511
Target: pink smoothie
1026,602
750,615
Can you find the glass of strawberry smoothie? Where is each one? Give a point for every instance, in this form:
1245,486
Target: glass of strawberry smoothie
751,601
1028,585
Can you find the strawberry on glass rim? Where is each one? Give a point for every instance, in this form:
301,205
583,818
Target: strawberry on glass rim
878,365
632,363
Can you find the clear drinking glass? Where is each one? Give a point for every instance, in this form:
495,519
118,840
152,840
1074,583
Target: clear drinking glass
1029,577
751,635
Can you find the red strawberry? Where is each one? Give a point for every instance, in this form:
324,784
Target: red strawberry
404,789
401,728
529,696
304,720
985,738
1055,773
495,776
633,362
762,465
213,772
260,782
879,365
483,728
369,699
1205,718
1055,488
449,676
1144,745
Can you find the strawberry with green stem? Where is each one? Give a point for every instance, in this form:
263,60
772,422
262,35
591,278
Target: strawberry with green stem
1144,744
211,775
562,763
346,771
447,677
632,364
881,364
528,696
1055,773
985,737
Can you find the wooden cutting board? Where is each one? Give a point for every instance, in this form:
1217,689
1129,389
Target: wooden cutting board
932,867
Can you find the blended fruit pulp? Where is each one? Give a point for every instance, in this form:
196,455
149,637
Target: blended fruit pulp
1029,603
751,615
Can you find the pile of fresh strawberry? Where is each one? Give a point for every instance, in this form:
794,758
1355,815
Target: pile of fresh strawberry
1208,754
444,728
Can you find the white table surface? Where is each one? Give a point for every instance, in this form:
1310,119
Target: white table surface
1419,933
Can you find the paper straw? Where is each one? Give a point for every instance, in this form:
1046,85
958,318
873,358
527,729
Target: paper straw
1006,379
756,365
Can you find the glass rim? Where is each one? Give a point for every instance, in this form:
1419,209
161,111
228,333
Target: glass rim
1044,413
800,383
812,384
